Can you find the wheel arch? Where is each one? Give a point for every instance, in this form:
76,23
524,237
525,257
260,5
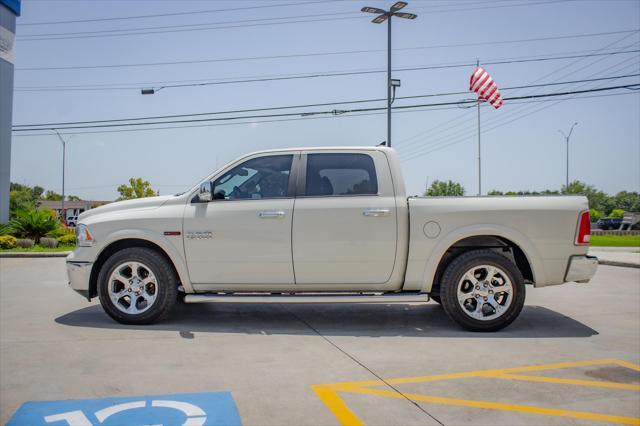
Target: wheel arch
123,242
515,245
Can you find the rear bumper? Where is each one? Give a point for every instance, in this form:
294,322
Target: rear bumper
581,269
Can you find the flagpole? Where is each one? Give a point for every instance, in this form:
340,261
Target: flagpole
479,156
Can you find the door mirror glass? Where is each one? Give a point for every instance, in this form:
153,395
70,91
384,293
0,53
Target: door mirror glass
205,192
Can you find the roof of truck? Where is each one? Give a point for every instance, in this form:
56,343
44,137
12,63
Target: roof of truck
325,148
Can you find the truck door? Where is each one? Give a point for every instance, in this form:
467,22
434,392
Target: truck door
344,223
243,235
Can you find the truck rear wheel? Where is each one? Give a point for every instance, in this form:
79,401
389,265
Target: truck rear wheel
482,290
137,286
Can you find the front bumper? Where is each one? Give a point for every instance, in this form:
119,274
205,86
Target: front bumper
79,273
581,269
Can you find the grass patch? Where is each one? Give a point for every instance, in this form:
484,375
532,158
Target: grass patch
615,240
38,249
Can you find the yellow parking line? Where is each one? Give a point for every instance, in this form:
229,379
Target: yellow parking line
332,400
591,383
504,407
627,364
328,393
478,373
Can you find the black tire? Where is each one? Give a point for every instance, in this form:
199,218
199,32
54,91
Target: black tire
166,288
454,274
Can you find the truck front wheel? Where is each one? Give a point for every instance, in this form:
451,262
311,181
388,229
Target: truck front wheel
482,290
137,286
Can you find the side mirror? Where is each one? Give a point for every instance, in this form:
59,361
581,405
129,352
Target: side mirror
205,192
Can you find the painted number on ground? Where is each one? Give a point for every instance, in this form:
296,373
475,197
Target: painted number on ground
195,409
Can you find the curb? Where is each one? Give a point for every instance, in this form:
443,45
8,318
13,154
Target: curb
622,264
28,254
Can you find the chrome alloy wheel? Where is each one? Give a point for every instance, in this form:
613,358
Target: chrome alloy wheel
485,292
132,287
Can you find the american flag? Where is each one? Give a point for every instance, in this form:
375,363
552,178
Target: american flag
487,89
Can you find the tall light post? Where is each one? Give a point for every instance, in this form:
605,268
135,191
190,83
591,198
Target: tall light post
567,137
64,155
386,15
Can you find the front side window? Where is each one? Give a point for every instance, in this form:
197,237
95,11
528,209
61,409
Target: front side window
340,174
258,178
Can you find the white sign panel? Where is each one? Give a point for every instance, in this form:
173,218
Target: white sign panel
7,43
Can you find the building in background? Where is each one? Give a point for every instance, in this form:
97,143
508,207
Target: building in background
9,9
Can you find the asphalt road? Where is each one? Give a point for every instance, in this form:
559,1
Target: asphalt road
571,358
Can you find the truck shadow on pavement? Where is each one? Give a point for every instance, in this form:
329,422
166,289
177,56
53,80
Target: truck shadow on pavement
360,320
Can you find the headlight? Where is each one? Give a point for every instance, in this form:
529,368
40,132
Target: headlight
83,236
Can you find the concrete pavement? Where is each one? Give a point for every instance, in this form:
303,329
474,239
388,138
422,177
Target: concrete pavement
54,345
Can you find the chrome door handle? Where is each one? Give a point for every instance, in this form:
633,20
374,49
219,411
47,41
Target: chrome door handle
376,212
271,214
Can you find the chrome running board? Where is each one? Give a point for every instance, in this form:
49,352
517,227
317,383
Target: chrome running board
307,298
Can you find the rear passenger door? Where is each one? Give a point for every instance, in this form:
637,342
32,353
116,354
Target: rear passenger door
344,222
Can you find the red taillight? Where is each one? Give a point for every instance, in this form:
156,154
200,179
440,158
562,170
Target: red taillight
584,229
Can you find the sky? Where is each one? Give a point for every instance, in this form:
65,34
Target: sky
522,148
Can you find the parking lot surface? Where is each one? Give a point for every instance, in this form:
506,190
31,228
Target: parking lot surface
571,358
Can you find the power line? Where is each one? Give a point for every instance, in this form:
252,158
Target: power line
157,15
331,53
460,131
461,135
235,123
215,25
333,112
319,75
49,125
194,26
203,26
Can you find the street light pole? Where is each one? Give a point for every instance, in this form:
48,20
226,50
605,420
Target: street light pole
567,137
389,83
384,15
64,155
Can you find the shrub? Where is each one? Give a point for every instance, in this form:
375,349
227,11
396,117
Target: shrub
5,229
595,215
61,231
67,240
7,242
25,242
49,242
616,213
34,224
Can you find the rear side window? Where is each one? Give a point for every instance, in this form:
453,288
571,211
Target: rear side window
340,174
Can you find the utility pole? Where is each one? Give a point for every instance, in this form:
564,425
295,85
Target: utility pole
64,155
479,150
386,15
567,137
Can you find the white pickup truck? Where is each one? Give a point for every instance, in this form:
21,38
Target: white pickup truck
327,225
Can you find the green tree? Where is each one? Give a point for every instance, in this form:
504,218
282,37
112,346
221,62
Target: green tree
616,213
597,199
73,198
594,215
495,192
137,188
627,201
441,188
52,196
23,197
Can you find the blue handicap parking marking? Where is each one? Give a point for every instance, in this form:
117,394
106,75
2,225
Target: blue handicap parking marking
188,409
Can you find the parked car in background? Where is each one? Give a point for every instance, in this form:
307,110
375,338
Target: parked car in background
608,223
72,221
327,225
